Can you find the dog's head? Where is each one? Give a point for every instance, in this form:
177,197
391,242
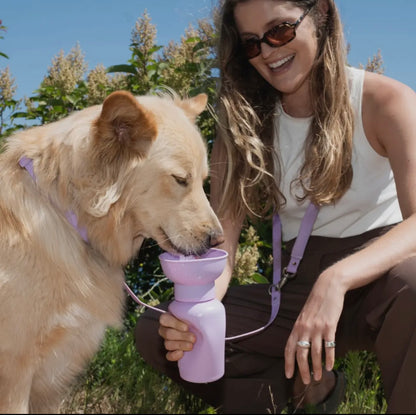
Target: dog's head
144,168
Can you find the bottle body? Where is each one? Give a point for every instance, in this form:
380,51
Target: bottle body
205,362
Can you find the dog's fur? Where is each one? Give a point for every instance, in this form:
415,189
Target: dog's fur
129,169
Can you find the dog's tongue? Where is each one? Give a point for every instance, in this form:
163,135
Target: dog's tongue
186,257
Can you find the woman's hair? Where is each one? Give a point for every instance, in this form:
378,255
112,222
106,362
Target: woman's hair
246,121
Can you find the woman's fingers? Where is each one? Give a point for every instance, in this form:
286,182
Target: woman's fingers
297,352
168,320
174,330
312,339
302,358
329,346
290,355
303,352
316,355
178,338
174,356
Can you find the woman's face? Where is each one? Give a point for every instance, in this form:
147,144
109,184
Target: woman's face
287,67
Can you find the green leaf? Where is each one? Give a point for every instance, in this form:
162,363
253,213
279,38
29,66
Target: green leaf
193,39
154,49
163,65
260,279
72,100
19,115
122,68
151,73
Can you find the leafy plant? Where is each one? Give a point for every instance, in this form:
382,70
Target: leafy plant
364,393
2,29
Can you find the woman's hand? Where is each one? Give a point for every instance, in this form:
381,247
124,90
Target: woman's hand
316,324
178,338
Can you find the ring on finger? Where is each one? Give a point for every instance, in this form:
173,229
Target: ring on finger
304,343
330,344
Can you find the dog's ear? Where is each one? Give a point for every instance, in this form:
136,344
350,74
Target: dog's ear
124,128
194,106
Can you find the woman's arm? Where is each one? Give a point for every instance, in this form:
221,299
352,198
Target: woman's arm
389,117
231,226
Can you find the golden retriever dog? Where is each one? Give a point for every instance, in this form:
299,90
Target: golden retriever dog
77,198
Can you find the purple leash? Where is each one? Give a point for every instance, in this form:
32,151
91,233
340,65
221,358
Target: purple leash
281,277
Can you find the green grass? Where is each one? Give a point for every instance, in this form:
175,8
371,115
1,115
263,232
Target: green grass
119,381
364,393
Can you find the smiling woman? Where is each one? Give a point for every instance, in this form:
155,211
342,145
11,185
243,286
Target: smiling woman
276,37
300,131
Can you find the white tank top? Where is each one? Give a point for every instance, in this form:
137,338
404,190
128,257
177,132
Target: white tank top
369,203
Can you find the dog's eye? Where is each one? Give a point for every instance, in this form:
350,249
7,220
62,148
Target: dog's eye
183,181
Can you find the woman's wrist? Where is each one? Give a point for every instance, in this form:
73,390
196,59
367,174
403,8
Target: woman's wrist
335,278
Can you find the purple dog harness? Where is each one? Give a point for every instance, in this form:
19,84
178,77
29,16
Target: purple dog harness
27,163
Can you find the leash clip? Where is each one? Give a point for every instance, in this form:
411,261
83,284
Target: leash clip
286,276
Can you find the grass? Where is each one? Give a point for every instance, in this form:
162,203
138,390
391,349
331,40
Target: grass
364,393
119,381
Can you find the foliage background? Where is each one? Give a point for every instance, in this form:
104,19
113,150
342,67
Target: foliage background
118,381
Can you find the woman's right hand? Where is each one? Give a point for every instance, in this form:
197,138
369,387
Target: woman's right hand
178,338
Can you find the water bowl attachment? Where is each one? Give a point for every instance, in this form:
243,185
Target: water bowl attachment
194,270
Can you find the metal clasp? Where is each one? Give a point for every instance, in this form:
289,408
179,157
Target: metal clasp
286,276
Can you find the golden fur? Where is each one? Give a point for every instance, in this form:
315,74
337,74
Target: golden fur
130,169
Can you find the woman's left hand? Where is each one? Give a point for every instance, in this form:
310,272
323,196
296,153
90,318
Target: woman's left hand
316,324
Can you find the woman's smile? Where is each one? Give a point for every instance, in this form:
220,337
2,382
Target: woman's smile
281,63
286,68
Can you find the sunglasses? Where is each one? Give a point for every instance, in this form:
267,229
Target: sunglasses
277,36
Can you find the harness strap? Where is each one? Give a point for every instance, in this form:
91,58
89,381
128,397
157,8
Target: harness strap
27,163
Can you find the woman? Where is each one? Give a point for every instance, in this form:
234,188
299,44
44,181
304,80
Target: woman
297,125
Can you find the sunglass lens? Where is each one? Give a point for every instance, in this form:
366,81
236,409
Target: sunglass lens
280,35
252,48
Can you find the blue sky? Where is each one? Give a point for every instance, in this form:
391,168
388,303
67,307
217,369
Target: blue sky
38,30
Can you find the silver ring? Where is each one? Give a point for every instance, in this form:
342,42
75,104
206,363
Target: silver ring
304,343
329,344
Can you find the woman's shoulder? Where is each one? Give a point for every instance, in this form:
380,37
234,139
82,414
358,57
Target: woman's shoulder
383,92
387,103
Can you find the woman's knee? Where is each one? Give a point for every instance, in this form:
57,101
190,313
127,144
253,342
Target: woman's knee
404,274
147,340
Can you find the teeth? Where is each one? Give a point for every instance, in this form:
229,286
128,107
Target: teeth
281,62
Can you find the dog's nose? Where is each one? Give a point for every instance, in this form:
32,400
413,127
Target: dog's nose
216,239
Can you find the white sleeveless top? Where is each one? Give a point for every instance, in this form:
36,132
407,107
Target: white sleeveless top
369,203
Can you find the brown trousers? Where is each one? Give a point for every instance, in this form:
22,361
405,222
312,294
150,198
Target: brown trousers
380,317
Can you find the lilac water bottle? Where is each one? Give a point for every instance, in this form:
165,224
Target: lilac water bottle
195,303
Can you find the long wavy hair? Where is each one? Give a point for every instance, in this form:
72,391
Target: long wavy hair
247,120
